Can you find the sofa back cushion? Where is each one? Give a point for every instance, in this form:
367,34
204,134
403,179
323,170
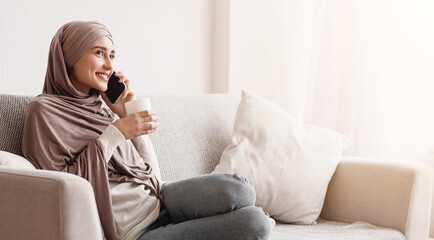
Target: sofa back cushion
12,109
194,130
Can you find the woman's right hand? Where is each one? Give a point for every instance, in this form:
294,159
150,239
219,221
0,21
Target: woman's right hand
137,124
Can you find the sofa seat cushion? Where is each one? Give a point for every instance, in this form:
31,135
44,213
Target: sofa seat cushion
330,230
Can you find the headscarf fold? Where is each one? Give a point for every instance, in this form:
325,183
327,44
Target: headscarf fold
62,126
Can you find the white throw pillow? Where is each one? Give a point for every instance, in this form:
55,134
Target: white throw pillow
290,164
12,160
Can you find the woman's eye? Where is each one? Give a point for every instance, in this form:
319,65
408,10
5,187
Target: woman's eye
99,53
112,57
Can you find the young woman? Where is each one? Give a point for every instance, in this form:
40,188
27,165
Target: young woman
68,129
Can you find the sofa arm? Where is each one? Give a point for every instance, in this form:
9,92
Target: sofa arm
389,194
39,204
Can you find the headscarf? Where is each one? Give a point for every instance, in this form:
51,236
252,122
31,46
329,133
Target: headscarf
62,126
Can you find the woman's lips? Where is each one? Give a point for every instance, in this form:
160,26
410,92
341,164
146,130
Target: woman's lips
102,76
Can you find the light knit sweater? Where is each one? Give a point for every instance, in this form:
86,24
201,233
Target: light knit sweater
134,206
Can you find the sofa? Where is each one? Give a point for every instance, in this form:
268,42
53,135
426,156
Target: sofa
366,198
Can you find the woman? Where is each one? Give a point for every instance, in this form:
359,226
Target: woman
68,129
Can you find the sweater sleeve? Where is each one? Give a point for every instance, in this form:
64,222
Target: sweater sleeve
109,140
146,150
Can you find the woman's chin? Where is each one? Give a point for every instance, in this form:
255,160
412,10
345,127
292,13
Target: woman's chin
97,90
102,88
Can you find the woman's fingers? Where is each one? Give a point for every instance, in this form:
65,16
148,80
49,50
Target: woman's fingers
147,120
120,74
148,117
131,128
130,96
127,95
146,113
137,124
122,78
150,127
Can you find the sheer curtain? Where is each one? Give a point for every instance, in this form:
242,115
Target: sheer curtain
364,68
378,85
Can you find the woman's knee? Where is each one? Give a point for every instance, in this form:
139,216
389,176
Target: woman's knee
255,223
235,190
207,195
231,187
226,189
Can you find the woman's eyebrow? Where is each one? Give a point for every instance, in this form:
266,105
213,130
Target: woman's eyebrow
103,48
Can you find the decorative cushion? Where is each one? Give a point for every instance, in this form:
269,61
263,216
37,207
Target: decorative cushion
12,160
289,163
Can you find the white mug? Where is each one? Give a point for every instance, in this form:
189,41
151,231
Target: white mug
138,105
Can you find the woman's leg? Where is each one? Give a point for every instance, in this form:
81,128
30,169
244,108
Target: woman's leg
248,223
206,196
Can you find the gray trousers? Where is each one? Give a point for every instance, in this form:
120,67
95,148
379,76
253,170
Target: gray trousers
209,207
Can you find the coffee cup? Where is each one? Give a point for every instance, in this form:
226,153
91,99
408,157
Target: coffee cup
138,105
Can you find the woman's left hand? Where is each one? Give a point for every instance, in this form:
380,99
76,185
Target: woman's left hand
127,95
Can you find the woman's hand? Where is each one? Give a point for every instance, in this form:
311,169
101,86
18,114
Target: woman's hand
137,124
127,95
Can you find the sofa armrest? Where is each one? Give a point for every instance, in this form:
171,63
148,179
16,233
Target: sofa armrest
39,204
389,194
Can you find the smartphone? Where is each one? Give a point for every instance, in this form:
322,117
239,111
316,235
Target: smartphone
114,88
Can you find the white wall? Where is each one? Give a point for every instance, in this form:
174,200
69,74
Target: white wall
164,47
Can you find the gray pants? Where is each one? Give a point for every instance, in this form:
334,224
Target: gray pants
209,207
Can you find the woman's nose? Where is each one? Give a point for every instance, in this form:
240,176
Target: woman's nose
108,64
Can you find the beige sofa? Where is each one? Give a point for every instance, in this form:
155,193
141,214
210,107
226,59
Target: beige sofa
366,199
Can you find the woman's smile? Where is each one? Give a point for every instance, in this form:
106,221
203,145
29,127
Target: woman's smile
103,76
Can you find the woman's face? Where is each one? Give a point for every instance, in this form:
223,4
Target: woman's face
94,67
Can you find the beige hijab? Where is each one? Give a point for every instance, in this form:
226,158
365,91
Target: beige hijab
62,126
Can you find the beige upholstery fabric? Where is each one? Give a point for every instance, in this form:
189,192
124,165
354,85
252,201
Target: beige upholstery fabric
330,230
8,159
193,132
37,204
388,194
